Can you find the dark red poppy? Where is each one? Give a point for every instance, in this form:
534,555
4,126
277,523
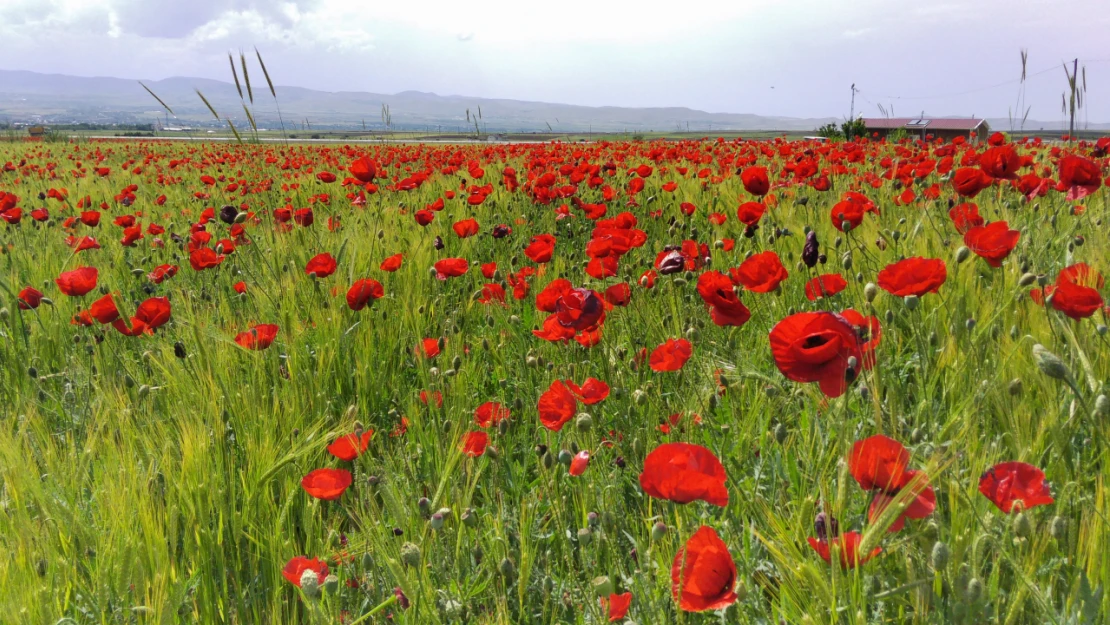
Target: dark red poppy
965,217
474,443
77,282
761,273
750,213
580,309
755,180
817,347
703,573
671,355
847,546
825,285
259,337
29,298
969,181
363,292
618,294
1011,483
913,276
451,268
718,292
992,242
683,472
490,414
556,406
364,169
351,446
1001,162
591,392
90,218
295,568
326,177
326,484
320,266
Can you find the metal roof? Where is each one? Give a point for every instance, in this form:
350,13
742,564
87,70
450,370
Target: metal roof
928,123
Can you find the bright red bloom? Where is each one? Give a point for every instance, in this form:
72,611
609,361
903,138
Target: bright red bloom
351,446
326,177
161,272
913,276
671,355
296,567
879,463
451,268
703,574
29,298
474,443
541,249
429,347
750,213
556,406
992,242
1000,162
816,347
326,484
393,263
591,392
969,181
1012,483
490,414
755,180
364,169
154,312
825,285
259,337
683,472
923,503
77,282
322,265
848,548
363,292
579,463
616,606
466,228
761,273
725,308
965,217
204,258
104,310
1080,177
618,294
1076,301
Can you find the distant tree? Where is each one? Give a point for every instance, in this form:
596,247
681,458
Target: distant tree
854,129
830,131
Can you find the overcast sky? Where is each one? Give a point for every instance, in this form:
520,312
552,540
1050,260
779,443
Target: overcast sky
792,57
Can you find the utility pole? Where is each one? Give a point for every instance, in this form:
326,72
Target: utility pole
851,113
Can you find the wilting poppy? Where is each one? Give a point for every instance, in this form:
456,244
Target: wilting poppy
296,567
161,272
490,414
825,285
992,242
351,446
556,406
77,282
761,273
579,463
616,606
671,355
364,292
451,268
913,276
817,347
847,545
1011,483
326,484
474,443
703,573
683,472
259,337
591,392
321,265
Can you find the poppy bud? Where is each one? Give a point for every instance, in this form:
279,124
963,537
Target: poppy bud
4,312
228,214
1050,364
433,371
639,397
593,519
548,461
864,392
1102,406
450,373
331,584
1023,527
911,302
424,504
846,260
692,333
603,586
962,254
584,422
585,536
780,433
870,292
939,556
1058,528
974,591
310,583
531,361
33,372
680,282
1015,387
436,521
507,568
470,518
1100,328
565,457
1027,279
410,555
810,250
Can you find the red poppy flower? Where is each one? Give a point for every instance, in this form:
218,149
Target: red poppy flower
90,218
1080,177
761,273
725,308
296,567
923,503
474,443
351,446
703,573
1081,274
683,472
451,268
671,355
393,263
580,309
750,213
1076,301
541,249
161,272
364,292
579,463
492,293
204,258
556,406
326,177
992,242
490,414
825,285
1000,162
816,347
326,484
618,294
321,265
879,463
29,298
154,312
466,228
965,217
429,347
77,282
591,392
424,217
755,180
847,545
616,606
1012,483
969,181
259,337
240,287
364,169
913,276
851,210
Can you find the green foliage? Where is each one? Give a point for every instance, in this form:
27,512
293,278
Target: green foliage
830,131
854,129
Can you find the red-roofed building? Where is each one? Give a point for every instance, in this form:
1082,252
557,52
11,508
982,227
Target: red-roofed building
946,128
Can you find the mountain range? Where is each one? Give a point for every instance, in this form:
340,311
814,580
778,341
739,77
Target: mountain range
56,98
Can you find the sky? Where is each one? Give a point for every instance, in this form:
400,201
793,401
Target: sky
794,58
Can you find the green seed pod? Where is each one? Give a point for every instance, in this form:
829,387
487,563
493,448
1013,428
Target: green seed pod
331,584
658,531
1102,406
974,591
584,422
565,457
310,584
548,461
780,433
1023,527
939,556
1050,364
410,555
911,302
603,586
436,521
424,504
585,536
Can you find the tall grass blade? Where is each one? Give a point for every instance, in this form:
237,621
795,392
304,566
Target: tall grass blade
246,76
234,74
208,104
153,95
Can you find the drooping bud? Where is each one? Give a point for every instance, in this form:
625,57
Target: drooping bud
1023,527
939,556
870,291
1015,387
810,251
1050,364
962,254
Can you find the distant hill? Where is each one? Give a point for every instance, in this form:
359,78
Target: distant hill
56,98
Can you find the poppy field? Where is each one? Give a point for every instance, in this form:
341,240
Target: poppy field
651,382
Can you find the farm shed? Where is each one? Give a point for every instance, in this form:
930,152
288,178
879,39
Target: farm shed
946,128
